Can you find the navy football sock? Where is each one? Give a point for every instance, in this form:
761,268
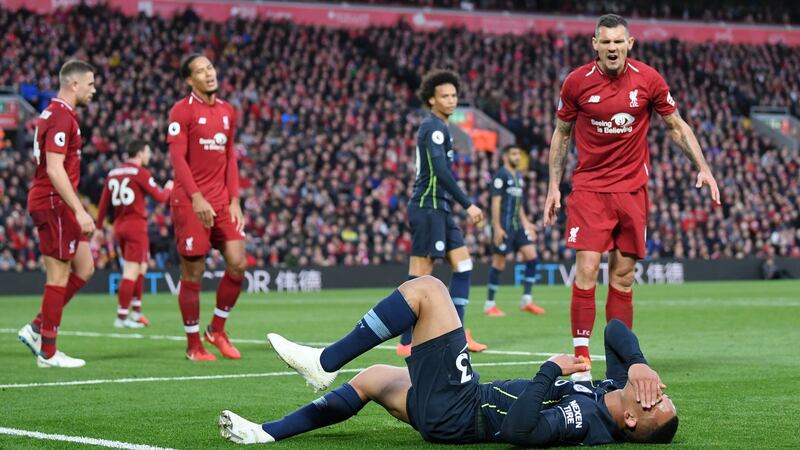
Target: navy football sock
390,317
494,281
336,406
405,339
530,276
459,291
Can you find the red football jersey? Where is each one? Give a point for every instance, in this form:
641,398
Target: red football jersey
125,188
200,138
612,116
56,131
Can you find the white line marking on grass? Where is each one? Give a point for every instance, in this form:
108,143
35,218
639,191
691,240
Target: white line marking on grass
79,440
156,337
214,377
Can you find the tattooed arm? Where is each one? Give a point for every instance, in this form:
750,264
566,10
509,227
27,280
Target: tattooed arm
559,150
684,137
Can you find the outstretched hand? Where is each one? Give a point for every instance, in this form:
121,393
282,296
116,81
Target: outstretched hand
570,364
704,177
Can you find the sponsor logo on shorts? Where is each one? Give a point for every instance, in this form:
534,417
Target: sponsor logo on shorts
573,234
439,245
189,243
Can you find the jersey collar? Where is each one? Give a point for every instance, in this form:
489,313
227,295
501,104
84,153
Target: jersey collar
63,102
605,75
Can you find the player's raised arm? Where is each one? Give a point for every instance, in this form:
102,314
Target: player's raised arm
559,151
684,137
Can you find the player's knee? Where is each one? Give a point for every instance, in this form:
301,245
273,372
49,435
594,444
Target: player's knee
424,289
364,382
237,267
85,272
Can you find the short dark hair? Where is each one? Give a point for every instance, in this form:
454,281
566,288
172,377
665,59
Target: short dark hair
73,67
610,21
187,60
509,147
434,78
135,146
661,435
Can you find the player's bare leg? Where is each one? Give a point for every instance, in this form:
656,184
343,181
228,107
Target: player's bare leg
192,268
130,275
385,385
227,293
460,280
418,266
619,305
526,303
582,307
498,266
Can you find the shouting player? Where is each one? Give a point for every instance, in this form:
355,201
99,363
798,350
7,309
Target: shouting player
441,397
511,232
205,203
63,223
609,102
434,233
125,188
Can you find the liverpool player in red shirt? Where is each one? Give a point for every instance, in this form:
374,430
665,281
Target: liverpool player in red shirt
60,218
125,188
205,203
609,102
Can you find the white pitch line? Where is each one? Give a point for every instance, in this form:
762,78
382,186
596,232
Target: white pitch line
79,440
157,337
213,377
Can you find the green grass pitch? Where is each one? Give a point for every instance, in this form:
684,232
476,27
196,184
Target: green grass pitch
727,352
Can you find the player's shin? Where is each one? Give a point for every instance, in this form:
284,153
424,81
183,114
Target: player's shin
52,308
227,293
124,297
619,305
336,406
189,301
138,292
491,287
528,280
582,315
459,288
387,319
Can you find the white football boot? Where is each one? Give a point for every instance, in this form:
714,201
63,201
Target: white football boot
240,430
30,338
127,322
303,359
59,360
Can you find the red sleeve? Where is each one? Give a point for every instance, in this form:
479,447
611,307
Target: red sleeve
102,207
149,185
568,102
232,172
662,100
59,129
178,140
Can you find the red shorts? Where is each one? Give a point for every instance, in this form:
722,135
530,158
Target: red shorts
193,239
603,221
133,242
59,231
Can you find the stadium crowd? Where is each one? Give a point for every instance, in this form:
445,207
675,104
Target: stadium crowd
769,11
327,122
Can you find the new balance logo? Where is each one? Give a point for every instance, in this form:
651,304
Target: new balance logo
189,243
573,234
594,99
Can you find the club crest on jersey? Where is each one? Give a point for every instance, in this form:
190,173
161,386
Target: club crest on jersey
225,122
634,101
72,246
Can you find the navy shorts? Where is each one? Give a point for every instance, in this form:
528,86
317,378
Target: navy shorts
515,240
444,398
433,232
